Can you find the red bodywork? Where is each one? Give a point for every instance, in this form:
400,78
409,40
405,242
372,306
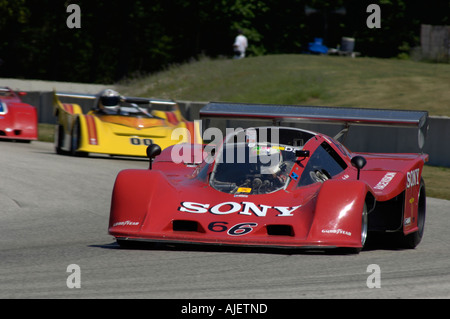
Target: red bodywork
18,120
175,202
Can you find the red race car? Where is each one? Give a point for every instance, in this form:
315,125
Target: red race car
275,186
18,120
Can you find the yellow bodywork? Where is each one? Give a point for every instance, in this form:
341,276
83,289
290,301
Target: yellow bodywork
79,133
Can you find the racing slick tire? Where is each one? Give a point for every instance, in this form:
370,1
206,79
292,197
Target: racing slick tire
410,241
59,138
75,140
364,225
364,233
364,229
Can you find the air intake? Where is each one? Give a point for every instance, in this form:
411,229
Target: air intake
280,230
185,225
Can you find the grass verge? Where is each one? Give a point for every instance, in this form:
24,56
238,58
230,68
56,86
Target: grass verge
46,132
304,79
436,181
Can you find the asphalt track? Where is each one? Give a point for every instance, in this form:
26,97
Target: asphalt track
54,212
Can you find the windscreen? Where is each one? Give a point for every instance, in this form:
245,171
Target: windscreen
256,168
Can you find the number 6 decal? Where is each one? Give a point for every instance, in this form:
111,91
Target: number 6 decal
218,226
236,230
241,229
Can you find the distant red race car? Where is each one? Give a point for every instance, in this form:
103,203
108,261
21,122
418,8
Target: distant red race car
275,186
18,120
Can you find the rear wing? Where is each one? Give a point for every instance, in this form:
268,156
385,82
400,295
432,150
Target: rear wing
320,114
125,99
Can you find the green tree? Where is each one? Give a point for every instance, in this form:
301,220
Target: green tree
119,38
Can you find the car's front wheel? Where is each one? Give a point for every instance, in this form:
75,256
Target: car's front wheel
76,139
59,140
364,225
364,233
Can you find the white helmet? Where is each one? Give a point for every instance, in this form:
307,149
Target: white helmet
270,159
109,100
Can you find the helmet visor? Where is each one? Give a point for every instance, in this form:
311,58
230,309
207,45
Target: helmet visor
109,101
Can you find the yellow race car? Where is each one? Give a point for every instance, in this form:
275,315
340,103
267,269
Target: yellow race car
119,125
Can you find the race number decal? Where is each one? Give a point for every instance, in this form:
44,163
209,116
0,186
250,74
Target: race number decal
141,141
236,230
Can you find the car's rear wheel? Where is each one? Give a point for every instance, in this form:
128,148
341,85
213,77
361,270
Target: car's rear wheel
412,240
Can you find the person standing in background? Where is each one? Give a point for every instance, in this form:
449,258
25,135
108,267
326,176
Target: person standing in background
240,45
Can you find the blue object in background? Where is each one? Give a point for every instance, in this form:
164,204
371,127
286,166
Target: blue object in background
317,46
